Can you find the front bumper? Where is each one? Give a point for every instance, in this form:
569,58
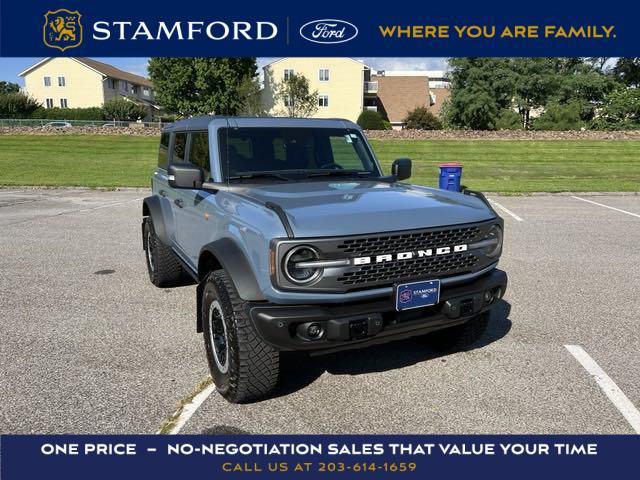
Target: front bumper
360,324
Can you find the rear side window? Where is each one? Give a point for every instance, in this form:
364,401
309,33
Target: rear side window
179,147
163,151
199,151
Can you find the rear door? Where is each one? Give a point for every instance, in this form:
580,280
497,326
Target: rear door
160,181
193,222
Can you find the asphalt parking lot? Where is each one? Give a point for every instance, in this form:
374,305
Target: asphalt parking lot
88,345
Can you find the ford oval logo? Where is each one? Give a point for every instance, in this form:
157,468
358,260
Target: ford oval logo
328,30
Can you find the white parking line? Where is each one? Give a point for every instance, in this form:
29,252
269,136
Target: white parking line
506,210
606,206
188,409
608,386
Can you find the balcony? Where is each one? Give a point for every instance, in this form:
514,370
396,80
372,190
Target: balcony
370,88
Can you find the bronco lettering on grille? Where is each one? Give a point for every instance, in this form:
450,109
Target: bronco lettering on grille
389,257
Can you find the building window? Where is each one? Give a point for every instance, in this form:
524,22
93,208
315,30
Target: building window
288,72
134,89
47,81
123,85
111,83
63,103
288,101
49,102
323,100
145,91
61,82
323,74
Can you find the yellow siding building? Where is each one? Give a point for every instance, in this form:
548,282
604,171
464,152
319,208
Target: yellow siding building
67,82
343,85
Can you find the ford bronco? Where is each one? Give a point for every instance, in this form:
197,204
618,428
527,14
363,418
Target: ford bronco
297,241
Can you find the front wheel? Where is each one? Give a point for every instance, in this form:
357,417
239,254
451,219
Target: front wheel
460,337
243,366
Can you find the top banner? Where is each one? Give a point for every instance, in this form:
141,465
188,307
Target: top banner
241,28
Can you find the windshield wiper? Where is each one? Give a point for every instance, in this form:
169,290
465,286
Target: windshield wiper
244,176
339,173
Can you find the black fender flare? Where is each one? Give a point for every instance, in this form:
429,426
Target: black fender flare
226,254
160,212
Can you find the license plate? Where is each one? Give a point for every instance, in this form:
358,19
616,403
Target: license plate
417,294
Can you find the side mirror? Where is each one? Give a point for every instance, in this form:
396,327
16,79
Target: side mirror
401,168
185,175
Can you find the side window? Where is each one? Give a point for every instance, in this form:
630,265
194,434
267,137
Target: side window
163,151
179,147
199,152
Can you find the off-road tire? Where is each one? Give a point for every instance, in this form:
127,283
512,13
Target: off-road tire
460,337
163,266
251,364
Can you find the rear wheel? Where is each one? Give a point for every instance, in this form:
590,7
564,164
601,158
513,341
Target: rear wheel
459,337
243,366
163,266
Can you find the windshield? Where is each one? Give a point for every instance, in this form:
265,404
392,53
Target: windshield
293,152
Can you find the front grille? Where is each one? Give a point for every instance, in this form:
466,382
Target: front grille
426,267
419,267
408,242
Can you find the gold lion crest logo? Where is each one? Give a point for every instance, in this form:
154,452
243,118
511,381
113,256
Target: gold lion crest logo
62,29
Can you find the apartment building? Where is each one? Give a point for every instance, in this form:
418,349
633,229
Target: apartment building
71,82
401,91
344,85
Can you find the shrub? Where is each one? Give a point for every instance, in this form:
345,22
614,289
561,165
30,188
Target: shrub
17,105
559,116
422,119
122,109
91,113
387,125
370,120
509,120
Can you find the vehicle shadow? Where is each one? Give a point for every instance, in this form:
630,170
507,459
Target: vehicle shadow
298,370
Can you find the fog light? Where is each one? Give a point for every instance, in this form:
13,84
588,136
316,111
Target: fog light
314,330
488,296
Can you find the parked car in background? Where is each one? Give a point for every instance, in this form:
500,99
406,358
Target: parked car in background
58,124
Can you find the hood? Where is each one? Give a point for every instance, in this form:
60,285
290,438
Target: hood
339,208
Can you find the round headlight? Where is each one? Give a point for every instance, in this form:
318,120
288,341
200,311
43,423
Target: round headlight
495,236
297,274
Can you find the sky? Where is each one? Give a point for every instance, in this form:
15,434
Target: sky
11,67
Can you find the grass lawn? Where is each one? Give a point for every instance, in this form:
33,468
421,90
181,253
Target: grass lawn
497,166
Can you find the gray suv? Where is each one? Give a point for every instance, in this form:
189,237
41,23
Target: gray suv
297,241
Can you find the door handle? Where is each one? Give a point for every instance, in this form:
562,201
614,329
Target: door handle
179,202
163,193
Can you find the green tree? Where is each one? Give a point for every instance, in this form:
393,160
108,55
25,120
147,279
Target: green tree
251,94
481,87
8,87
198,86
123,109
421,118
17,105
295,94
536,81
370,120
621,110
627,71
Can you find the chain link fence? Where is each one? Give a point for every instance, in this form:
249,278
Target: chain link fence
49,122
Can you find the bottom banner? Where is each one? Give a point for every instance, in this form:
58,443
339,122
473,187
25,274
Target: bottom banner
284,456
